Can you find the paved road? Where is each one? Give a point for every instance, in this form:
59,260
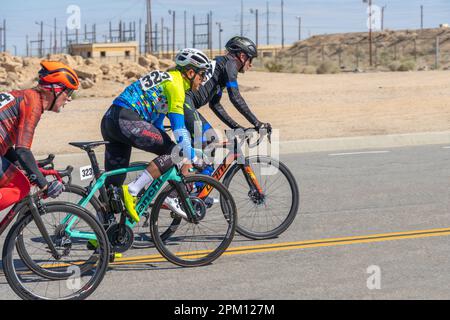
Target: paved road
386,208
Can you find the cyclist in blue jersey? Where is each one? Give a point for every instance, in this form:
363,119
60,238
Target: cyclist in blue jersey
136,120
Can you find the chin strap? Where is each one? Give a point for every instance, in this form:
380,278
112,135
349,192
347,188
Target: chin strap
191,80
55,97
239,60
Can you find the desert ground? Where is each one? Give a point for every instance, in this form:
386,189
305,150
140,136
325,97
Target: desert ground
300,106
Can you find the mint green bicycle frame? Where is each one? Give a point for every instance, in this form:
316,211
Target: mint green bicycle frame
142,206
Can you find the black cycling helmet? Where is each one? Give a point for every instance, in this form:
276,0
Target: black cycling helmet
242,44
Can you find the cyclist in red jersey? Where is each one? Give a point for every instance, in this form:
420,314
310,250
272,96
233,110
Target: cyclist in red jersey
20,112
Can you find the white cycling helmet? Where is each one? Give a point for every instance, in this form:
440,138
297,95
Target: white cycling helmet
190,58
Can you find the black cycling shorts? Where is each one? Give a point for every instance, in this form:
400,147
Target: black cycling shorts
124,129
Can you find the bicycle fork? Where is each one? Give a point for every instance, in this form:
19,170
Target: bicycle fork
35,211
186,202
256,193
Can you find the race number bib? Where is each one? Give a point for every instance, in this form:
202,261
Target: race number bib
210,72
86,173
5,98
153,79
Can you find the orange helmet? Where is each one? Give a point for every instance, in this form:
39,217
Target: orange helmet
58,74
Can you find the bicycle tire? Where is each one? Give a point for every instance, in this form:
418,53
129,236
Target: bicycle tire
143,239
290,217
101,258
182,258
20,246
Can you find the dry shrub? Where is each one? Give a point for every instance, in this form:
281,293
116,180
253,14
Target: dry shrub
328,67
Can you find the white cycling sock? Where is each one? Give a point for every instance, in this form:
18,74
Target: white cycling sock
137,185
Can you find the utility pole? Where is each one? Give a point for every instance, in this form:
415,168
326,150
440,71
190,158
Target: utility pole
185,29
299,28
156,47
27,46
55,45
282,24
382,17
257,28
162,36
421,17
256,25
370,30
140,36
220,37
437,57
2,37
167,40
268,25
172,12
210,28
41,41
149,27
242,18
370,33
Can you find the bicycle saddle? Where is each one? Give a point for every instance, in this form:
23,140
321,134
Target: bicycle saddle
86,146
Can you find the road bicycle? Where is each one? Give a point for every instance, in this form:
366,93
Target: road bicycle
201,236
43,258
265,191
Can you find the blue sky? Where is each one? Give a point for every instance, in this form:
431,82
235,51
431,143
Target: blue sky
319,16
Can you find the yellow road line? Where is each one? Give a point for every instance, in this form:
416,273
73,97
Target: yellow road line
299,245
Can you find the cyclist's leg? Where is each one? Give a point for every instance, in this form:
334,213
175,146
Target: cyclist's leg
200,129
202,133
118,151
145,136
14,186
209,139
193,122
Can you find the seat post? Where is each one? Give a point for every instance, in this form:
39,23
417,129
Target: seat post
94,163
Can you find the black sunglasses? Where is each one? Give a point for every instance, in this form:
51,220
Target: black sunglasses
202,74
69,93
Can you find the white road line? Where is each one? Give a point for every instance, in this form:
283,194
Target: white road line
357,153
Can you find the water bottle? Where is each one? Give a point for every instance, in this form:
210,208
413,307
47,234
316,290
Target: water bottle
207,171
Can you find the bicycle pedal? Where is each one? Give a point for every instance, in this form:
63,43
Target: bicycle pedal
92,244
115,256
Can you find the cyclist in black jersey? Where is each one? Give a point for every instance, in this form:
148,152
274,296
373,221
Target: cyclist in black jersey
222,74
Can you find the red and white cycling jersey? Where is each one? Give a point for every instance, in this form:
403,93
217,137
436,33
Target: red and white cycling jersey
20,112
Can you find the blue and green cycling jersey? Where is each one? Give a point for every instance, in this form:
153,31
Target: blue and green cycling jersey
157,95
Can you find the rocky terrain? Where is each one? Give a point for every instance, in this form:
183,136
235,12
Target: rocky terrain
399,50
97,79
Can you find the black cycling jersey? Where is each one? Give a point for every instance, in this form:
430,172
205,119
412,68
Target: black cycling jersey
223,74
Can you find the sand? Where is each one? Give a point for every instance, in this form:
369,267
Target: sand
300,106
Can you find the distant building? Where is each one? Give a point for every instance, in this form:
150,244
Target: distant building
443,26
106,51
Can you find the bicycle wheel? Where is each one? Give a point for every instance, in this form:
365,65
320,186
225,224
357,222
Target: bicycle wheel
142,235
78,270
269,215
72,194
196,244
